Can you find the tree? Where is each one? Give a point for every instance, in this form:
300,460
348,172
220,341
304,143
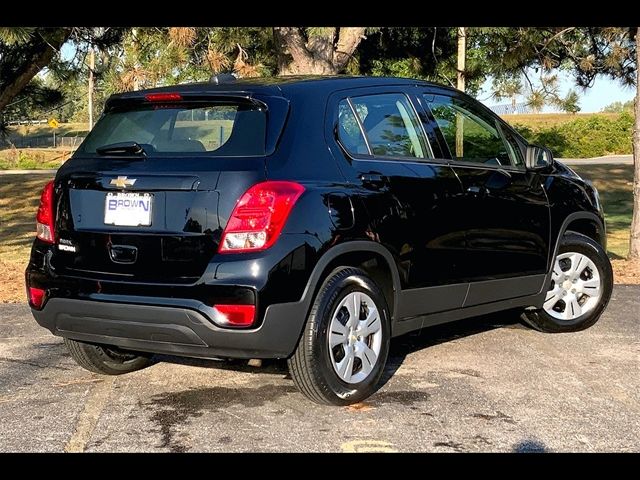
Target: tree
570,103
508,87
321,50
634,240
23,53
26,52
619,107
587,53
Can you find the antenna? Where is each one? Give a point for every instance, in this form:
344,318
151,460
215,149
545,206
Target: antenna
223,78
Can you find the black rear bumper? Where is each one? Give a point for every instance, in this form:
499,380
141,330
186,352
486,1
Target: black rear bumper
171,329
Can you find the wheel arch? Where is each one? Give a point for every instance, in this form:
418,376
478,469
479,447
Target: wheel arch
369,256
352,253
585,223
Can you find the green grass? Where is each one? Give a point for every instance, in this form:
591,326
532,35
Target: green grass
32,158
539,120
65,129
19,196
615,185
577,136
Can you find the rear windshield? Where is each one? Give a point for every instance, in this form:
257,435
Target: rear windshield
227,130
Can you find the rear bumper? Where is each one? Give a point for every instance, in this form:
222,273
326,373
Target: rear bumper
178,318
172,329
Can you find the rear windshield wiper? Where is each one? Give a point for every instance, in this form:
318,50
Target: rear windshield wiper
121,148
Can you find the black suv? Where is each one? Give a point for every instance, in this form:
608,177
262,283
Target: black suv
306,218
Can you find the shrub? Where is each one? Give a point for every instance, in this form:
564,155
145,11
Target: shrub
593,136
21,160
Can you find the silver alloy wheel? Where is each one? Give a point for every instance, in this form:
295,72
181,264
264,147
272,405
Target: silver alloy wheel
355,337
575,287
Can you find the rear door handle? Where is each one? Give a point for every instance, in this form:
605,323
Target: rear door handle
374,179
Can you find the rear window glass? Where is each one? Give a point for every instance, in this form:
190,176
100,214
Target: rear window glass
220,130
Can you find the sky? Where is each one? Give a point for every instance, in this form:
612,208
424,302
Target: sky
603,92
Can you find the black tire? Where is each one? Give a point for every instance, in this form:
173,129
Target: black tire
104,359
576,242
311,366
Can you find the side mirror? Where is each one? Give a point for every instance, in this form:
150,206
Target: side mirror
538,157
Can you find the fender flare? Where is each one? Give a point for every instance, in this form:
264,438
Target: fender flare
296,312
351,247
563,229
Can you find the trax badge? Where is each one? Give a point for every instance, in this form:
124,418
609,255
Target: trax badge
66,245
122,182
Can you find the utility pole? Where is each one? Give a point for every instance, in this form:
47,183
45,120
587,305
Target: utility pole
92,66
462,57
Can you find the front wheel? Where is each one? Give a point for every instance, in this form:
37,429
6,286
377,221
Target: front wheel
580,288
343,350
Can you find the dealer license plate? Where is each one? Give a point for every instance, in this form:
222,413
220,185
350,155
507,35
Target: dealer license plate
128,209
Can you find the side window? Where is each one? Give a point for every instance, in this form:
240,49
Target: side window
473,136
349,132
391,126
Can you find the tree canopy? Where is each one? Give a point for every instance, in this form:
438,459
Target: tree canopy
523,62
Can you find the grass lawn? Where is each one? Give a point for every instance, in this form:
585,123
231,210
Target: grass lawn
32,158
615,184
65,129
19,198
537,120
19,195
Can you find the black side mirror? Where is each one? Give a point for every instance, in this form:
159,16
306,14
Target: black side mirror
538,157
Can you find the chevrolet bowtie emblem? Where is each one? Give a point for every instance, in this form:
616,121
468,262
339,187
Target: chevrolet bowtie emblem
122,182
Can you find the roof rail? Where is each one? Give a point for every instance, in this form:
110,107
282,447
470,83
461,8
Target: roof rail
223,78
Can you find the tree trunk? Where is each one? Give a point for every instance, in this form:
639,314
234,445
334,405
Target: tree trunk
92,67
322,54
41,55
634,243
462,60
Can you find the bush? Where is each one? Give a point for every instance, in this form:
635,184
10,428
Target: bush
594,136
22,160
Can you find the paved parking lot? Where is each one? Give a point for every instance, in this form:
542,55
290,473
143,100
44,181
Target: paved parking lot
484,384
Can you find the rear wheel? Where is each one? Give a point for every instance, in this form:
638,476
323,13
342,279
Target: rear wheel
580,288
104,359
343,350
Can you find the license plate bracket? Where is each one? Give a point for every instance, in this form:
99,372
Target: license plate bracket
128,209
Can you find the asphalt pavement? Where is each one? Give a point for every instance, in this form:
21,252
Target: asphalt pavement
484,384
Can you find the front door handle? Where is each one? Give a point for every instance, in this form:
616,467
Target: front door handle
373,179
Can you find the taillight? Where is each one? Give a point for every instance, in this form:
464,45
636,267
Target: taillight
258,217
45,217
235,315
36,297
163,97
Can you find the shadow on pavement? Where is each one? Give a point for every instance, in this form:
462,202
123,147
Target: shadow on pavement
530,446
431,336
400,346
